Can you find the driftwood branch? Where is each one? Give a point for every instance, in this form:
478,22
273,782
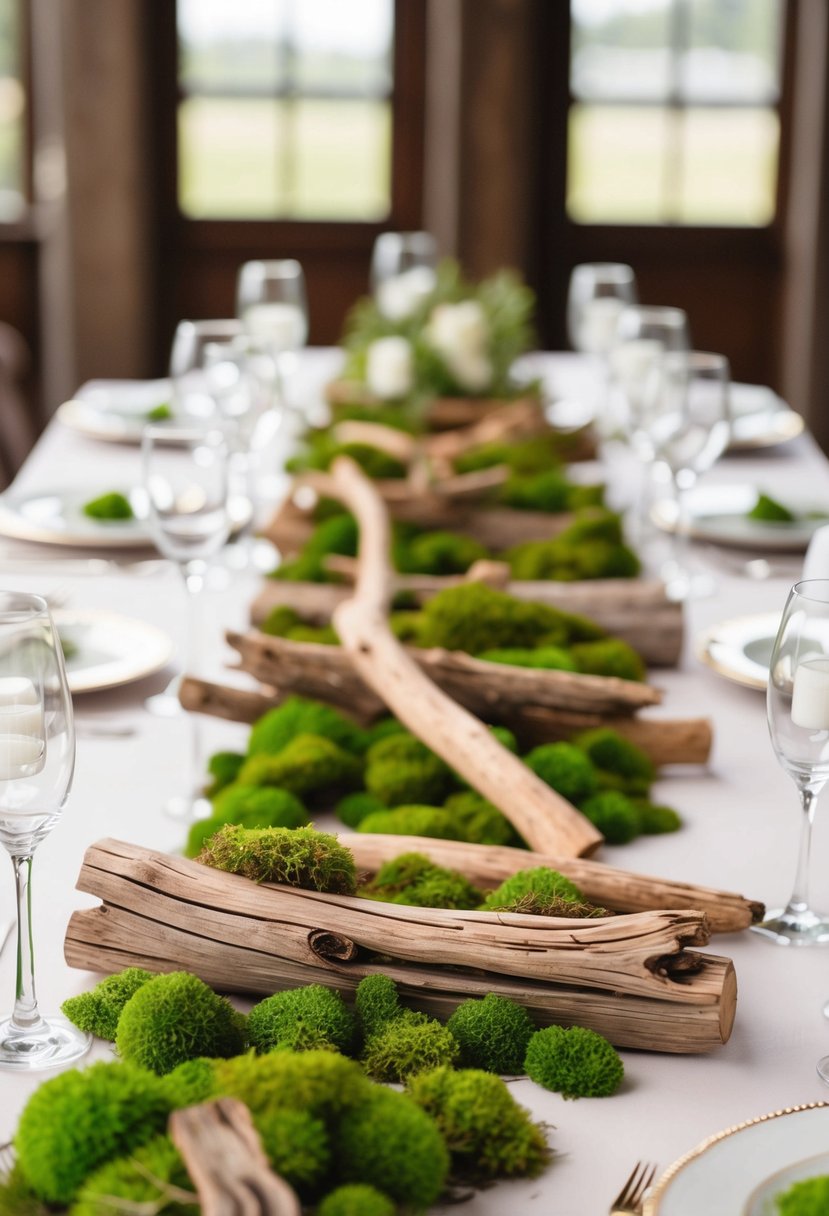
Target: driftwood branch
543,818
633,978
225,1160
620,890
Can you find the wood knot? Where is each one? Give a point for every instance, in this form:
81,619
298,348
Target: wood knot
328,945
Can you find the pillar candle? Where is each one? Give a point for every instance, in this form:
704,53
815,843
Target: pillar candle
22,736
810,695
599,321
282,325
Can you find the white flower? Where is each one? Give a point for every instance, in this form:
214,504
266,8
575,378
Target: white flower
390,368
402,294
454,327
472,369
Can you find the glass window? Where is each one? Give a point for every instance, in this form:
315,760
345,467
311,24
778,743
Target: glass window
674,113
285,108
12,115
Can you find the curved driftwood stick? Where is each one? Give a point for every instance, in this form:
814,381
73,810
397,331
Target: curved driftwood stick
488,865
225,1160
544,818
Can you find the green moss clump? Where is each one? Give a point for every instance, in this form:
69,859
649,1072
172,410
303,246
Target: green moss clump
150,1180
159,413
565,768
17,1197
549,490
478,821
279,622
298,857
413,879
75,1122
592,547
574,1061
654,820
615,815
434,821
384,728
400,769
810,1197
526,456
223,767
476,618
353,809
98,1011
409,1044
323,1083
389,1142
768,510
338,534
191,1082
377,1003
308,766
614,754
297,1146
303,716
608,657
301,1019
488,1134
322,449
492,1034
247,806
538,892
112,506
177,1017
439,553
544,658
357,1199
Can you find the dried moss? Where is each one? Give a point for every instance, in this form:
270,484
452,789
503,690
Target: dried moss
297,857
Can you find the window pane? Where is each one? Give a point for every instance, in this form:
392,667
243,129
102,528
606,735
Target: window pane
228,152
12,112
231,46
729,167
620,49
733,51
343,160
614,168
344,46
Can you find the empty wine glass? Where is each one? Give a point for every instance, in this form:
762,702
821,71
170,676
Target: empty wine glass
272,306
598,294
192,395
186,487
37,761
798,715
403,272
687,419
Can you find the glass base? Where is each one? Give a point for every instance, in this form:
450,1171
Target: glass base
55,1043
823,1069
788,928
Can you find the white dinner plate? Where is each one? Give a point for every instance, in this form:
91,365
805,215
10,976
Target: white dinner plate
760,419
719,514
740,649
114,410
56,517
739,1171
106,649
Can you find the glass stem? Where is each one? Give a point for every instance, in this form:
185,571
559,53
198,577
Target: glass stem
26,1016
799,901
681,538
193,574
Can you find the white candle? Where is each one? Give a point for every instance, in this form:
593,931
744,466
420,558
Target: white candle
21,756
22,736
810,695
282,325
599,321
390,368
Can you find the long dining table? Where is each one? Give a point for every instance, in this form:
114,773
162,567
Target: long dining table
740,825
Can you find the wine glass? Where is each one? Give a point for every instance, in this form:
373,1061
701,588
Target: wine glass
192,394
597,296
37,761
403,272
272,306
798,715
686,417
186,488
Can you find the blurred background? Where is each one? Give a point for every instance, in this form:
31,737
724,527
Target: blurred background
148,147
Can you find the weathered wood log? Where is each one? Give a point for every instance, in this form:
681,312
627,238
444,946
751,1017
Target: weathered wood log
620,890
638,611
665,740
542,817
483,687
225,1159
633,978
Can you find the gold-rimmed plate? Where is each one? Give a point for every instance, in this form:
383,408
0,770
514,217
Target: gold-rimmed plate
719,515
105,649
761,419
740,649
739,1171
114,410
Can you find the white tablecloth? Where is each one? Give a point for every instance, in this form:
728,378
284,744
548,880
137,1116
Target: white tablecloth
741,829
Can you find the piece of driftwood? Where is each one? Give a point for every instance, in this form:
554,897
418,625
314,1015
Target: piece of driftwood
225,1160
636,979
620,890
665,740
638,611
542,817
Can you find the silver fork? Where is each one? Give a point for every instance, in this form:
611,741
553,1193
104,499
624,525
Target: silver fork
629,1200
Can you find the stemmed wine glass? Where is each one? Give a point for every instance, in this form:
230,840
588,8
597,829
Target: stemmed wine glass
686,417
37,761
272,305
798,715
597,296
403,272
192,340
186,487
